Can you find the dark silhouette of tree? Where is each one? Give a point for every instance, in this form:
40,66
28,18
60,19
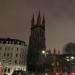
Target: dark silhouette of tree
70,48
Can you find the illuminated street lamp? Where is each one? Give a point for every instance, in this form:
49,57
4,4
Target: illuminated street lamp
43,52
72,57
68,59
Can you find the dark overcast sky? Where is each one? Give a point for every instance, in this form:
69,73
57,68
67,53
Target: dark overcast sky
15,20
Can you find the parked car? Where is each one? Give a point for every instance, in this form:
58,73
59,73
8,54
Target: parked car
20,72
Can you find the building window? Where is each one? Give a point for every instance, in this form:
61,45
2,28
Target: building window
18,42
10,61
20,55
19,62
8,48
15,42
7,42
23,50
5,48
8,70
16,55
0,54
17,49
7,54
11,54
4,54
12,48
4,42
15,61
5,69
12,42
0,48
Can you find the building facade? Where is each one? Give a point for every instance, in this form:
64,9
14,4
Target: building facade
36,44
13,54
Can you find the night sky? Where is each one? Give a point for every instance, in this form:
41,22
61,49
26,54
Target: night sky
15,20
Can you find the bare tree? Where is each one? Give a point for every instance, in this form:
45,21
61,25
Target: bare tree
70,48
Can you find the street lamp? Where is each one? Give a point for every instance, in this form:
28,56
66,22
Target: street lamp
43,52
68,59
43,59
72,57
71,62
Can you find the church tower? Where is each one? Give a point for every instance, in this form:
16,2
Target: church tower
36,43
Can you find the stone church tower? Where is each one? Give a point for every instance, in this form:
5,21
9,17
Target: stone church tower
36,43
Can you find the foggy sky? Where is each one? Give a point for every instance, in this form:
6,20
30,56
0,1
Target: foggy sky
15,20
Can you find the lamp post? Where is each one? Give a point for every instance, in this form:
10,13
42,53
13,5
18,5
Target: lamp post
71,61
44,59
44,52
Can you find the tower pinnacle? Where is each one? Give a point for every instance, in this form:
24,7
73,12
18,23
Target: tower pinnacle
39,19
32,21
43,22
